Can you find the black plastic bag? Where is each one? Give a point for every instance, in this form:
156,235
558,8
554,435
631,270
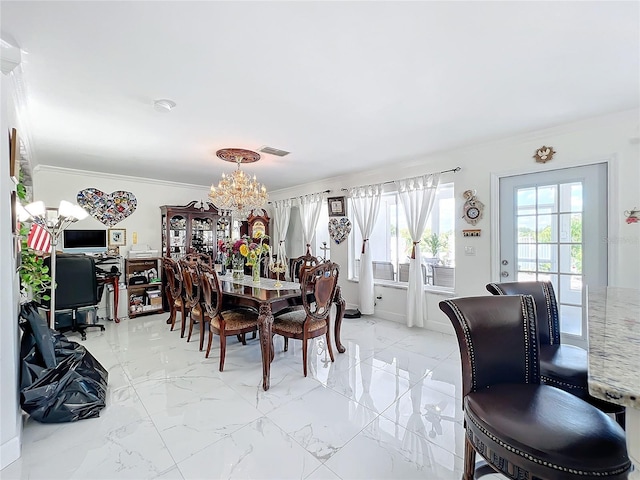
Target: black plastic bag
60,380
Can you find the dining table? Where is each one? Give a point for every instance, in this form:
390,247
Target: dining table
270,297
613,315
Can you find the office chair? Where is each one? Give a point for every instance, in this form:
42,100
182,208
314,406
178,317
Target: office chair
77,289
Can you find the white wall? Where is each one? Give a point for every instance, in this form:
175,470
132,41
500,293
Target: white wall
611,137
598,139
52,185
10,417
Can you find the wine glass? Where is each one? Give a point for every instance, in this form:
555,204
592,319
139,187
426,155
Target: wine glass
277,267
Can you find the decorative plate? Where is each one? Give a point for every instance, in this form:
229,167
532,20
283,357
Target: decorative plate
108,208
339,229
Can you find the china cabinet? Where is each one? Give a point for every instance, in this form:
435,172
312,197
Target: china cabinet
192,228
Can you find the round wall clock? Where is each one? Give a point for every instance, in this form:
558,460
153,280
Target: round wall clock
472,208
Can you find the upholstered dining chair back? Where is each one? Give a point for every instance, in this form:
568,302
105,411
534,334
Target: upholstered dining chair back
199,258
173,276
545,299
497,339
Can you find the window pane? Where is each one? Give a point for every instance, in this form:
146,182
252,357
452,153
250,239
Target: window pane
527,229
547,258
571,197
547,228
526,277
526,201
570,319
571,258
570,289
547,199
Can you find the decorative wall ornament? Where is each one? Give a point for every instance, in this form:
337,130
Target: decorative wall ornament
339,229
544,154
633,216
108,208
472,208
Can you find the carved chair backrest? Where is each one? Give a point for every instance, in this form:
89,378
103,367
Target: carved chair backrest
199,258
191,283
173,276
320,282
211,291
298,265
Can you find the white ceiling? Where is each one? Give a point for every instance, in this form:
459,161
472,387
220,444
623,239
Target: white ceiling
344,86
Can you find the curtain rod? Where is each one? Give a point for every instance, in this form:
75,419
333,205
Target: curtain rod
293,198
454,170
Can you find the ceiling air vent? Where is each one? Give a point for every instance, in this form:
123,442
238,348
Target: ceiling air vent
273,151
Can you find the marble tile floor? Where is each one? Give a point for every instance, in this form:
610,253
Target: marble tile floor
388,408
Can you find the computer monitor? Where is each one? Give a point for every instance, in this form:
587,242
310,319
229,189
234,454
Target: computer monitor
84,241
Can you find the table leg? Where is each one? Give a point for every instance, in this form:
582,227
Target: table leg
632,431
340,304
116,293
265,320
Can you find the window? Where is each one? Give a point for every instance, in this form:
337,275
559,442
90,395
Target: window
391,244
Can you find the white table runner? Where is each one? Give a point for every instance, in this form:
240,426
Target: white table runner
266,283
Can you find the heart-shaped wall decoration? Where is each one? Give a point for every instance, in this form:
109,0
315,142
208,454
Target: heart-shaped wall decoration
108,208
339,229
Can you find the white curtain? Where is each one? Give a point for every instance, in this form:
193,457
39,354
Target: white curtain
365,202
309,207
417,196
281,216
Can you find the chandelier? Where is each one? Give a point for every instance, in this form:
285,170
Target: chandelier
237,194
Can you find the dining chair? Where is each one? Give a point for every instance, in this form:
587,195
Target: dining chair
299,264
174,292
192,297
403,272
561,365
222,322
443,276
522,428
318,287
383,270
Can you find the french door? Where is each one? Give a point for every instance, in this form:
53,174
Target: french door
551,228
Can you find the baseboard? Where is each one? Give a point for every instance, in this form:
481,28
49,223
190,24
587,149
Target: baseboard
9,452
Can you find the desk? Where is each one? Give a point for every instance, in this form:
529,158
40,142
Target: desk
614,356
269,302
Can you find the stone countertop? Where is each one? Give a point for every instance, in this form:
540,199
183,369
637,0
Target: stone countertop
614,344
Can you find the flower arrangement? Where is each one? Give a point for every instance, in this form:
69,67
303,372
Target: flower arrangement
244,250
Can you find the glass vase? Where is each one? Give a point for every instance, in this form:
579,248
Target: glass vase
255,272
237,268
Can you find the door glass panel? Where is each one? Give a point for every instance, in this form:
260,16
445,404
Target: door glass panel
526,277
547,228
547,199
571,258
527,229
547,258
571,197
571,319
576,227
526,198
547,277
570,289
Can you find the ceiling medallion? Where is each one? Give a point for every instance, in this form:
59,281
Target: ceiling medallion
544,154
237,194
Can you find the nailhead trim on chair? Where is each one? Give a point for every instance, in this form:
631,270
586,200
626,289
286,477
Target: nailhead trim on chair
539,461
467,340
572,386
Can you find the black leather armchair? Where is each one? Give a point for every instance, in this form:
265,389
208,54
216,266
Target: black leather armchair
561,365
524,429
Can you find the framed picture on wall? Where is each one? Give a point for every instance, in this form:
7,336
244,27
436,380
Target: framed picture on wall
337,206
117,237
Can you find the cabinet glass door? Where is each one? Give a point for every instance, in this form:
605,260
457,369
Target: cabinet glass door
203,235
178,236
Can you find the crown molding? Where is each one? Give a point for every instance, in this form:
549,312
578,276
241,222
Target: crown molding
113,176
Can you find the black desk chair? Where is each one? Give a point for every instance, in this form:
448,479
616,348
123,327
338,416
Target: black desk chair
77,289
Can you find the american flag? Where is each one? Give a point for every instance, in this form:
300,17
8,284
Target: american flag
39,239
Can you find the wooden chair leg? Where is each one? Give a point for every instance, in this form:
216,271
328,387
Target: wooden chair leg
328,336
190,328
223,349
305,347
239,337
254,335
206,355
469,459
183,321
286,344
244,338
201,322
